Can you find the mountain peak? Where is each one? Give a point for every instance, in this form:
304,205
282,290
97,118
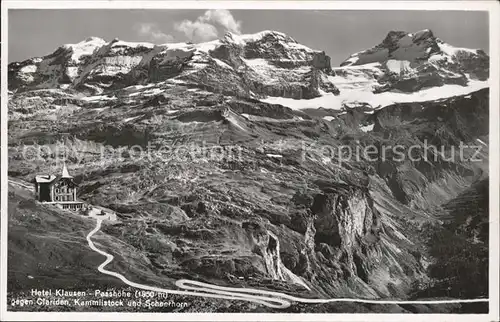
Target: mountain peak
229,36
398,38
415,48
398,34
275,34
93,39
425,33
259,36
394,35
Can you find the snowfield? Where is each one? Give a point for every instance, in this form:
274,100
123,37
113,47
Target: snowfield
363,95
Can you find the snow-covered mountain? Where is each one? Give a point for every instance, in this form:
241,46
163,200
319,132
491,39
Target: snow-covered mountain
266,63
413,48
416,60
269,65
404,67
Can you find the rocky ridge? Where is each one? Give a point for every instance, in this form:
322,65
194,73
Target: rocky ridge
267,64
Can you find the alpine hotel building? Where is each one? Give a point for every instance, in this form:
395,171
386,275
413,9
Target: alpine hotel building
59,190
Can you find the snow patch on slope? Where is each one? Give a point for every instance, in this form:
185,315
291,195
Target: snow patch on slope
452,51
132,118
84,48
98,98
367,128
398,66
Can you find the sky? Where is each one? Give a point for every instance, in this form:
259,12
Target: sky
40,32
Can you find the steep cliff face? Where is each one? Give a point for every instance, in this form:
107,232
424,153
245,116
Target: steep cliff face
345,227
267,245
344,220
347,241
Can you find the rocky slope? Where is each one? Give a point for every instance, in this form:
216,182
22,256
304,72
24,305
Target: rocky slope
235,189
460,245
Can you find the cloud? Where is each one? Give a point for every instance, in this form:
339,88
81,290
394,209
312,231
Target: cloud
153,32
204,27
197,31
224,18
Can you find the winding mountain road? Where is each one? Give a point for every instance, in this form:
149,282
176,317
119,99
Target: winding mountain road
267,298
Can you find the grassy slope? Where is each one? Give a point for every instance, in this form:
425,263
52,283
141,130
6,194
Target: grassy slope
49,245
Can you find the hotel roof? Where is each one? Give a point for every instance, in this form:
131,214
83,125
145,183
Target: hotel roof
45,178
